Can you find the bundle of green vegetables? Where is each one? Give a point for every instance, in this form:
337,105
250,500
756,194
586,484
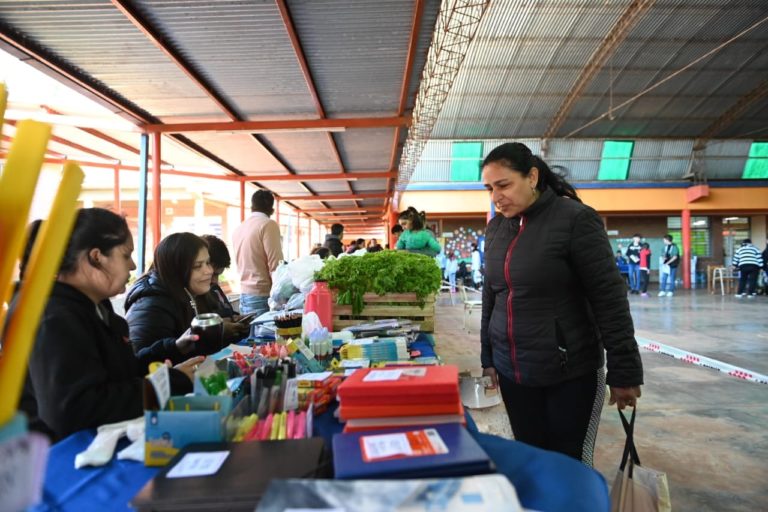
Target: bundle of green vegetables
381,273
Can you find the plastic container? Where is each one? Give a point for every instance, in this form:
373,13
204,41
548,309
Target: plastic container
320,301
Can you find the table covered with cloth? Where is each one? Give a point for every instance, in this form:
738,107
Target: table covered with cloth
544,480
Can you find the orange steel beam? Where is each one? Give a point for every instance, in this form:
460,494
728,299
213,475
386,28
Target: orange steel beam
345,210
116,198
156,197
322,176
280,124
418,12
242,201
617,34
335,197
73,145
100,135
166,47
733,113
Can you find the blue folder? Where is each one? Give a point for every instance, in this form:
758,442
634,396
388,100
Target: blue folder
464,457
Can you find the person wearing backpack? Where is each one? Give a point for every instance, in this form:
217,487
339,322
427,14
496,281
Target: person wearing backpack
672,260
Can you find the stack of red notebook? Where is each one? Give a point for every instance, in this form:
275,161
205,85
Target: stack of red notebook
393,397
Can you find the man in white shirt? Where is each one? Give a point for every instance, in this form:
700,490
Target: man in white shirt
258,251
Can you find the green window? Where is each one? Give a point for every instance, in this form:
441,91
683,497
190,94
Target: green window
700,235
465,161
614,164
756,167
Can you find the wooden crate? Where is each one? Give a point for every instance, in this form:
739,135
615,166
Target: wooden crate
391,305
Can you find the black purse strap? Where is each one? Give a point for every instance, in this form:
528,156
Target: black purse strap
629,444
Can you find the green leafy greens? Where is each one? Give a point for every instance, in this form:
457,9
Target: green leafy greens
381,273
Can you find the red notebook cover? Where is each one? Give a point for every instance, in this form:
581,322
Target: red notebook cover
360,424
385,411
414,398
425,381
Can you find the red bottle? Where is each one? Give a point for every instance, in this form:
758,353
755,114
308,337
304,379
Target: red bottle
320,300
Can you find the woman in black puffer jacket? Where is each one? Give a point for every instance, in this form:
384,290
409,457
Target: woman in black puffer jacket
553,305
163,302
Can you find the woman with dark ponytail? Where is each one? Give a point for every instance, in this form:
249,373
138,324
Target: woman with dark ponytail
554,304
415,238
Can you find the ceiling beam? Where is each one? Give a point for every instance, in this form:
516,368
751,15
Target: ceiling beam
602,53
418,12
73,145
138,21
280,125
290,28
335,197
732,114
336,176
101,135
186,67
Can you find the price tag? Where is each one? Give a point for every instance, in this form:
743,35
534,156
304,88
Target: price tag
416,443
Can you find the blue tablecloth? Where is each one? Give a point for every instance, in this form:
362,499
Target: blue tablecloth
544,481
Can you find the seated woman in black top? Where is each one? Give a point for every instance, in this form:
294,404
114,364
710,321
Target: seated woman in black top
217,299
163,302
82,371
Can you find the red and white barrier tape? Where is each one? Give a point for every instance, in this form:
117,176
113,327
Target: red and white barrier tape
699,360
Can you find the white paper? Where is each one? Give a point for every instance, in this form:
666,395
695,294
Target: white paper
386,445
291,397
22,470
198,464
348,372
314,377
382,375
161,382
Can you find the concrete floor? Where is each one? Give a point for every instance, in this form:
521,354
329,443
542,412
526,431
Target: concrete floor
707,430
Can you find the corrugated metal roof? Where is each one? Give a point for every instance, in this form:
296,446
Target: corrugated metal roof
356,51
368,149
527,56
239,46
304,151
94,36
518,42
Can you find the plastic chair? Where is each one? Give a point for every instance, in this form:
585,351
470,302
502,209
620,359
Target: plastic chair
469,305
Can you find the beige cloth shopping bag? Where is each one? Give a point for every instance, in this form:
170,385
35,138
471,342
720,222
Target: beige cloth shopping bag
637,488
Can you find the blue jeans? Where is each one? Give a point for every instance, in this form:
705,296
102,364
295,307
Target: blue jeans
253,304
668,278
634,276
452,280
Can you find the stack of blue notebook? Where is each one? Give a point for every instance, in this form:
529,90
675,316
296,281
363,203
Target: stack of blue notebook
453,453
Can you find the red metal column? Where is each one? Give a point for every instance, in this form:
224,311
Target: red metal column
155,214
242,201
686,253
116,202
309,234
298,233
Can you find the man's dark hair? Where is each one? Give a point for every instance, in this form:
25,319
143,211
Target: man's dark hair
668,237
337,229
397,228
747,241
263,201
637,235
218,252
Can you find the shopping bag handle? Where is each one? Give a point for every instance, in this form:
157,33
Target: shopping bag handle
629,444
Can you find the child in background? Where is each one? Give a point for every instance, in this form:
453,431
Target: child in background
645,268
451,267
414,237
